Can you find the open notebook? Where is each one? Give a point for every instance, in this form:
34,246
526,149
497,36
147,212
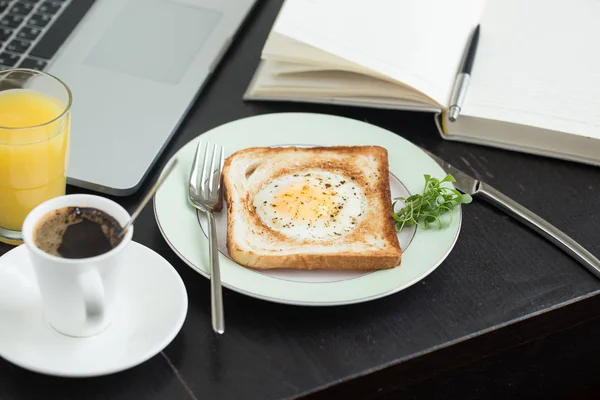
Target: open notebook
535,84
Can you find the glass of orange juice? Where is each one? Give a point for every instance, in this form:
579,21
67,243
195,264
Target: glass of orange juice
34,144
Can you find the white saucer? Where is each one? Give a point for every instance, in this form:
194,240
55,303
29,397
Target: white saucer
152,307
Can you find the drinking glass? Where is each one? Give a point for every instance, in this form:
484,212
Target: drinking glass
34,145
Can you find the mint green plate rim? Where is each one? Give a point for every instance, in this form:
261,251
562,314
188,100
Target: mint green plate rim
178,224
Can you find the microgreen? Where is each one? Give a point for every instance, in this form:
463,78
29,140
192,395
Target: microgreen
427,208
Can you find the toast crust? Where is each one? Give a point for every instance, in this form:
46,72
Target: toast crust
377,222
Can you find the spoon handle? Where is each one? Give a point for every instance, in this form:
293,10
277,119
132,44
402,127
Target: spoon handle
149,195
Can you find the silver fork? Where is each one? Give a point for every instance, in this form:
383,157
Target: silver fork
204,196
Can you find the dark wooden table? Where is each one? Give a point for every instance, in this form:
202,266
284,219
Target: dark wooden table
506,315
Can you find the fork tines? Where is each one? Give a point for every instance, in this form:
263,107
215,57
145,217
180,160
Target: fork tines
212,166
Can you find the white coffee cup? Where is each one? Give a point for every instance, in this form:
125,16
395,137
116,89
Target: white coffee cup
78,295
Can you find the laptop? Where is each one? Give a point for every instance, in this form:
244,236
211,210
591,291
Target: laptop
134,66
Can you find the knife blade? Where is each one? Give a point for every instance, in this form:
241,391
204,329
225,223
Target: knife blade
464,182
481,190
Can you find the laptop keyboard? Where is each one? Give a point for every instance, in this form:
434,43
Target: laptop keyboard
31,31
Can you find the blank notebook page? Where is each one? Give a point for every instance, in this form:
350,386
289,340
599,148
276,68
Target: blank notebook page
416,42
538,64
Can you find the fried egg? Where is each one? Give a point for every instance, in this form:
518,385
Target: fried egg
311,205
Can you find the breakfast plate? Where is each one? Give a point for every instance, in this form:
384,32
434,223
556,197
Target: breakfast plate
184,230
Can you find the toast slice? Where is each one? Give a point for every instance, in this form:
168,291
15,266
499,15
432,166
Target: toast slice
310,208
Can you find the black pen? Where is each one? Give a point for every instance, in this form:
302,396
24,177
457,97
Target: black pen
459,90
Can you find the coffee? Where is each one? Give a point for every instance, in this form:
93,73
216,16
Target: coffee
77,232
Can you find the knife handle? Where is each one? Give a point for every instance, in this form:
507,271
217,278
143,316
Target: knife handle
538,224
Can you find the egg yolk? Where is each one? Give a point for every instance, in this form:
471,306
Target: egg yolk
306,202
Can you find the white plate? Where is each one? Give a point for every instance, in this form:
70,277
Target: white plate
423,251
152,307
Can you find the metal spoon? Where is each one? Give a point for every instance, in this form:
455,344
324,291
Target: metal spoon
148,196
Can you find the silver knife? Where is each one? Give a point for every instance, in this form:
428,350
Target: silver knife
478,189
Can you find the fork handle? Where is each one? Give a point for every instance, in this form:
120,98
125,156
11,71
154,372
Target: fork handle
216,296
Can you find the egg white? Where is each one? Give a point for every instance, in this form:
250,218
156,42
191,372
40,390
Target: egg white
314,205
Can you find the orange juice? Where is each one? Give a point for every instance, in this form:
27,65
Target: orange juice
34,144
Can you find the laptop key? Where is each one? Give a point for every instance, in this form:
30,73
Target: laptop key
11,20
49,7
18,46
5,34
22,8
4,5
33,64
58,32
28,33
9,59
39,20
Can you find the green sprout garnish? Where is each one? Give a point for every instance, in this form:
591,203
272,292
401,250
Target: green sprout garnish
427,208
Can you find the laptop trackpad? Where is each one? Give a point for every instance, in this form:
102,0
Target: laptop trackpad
154,39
